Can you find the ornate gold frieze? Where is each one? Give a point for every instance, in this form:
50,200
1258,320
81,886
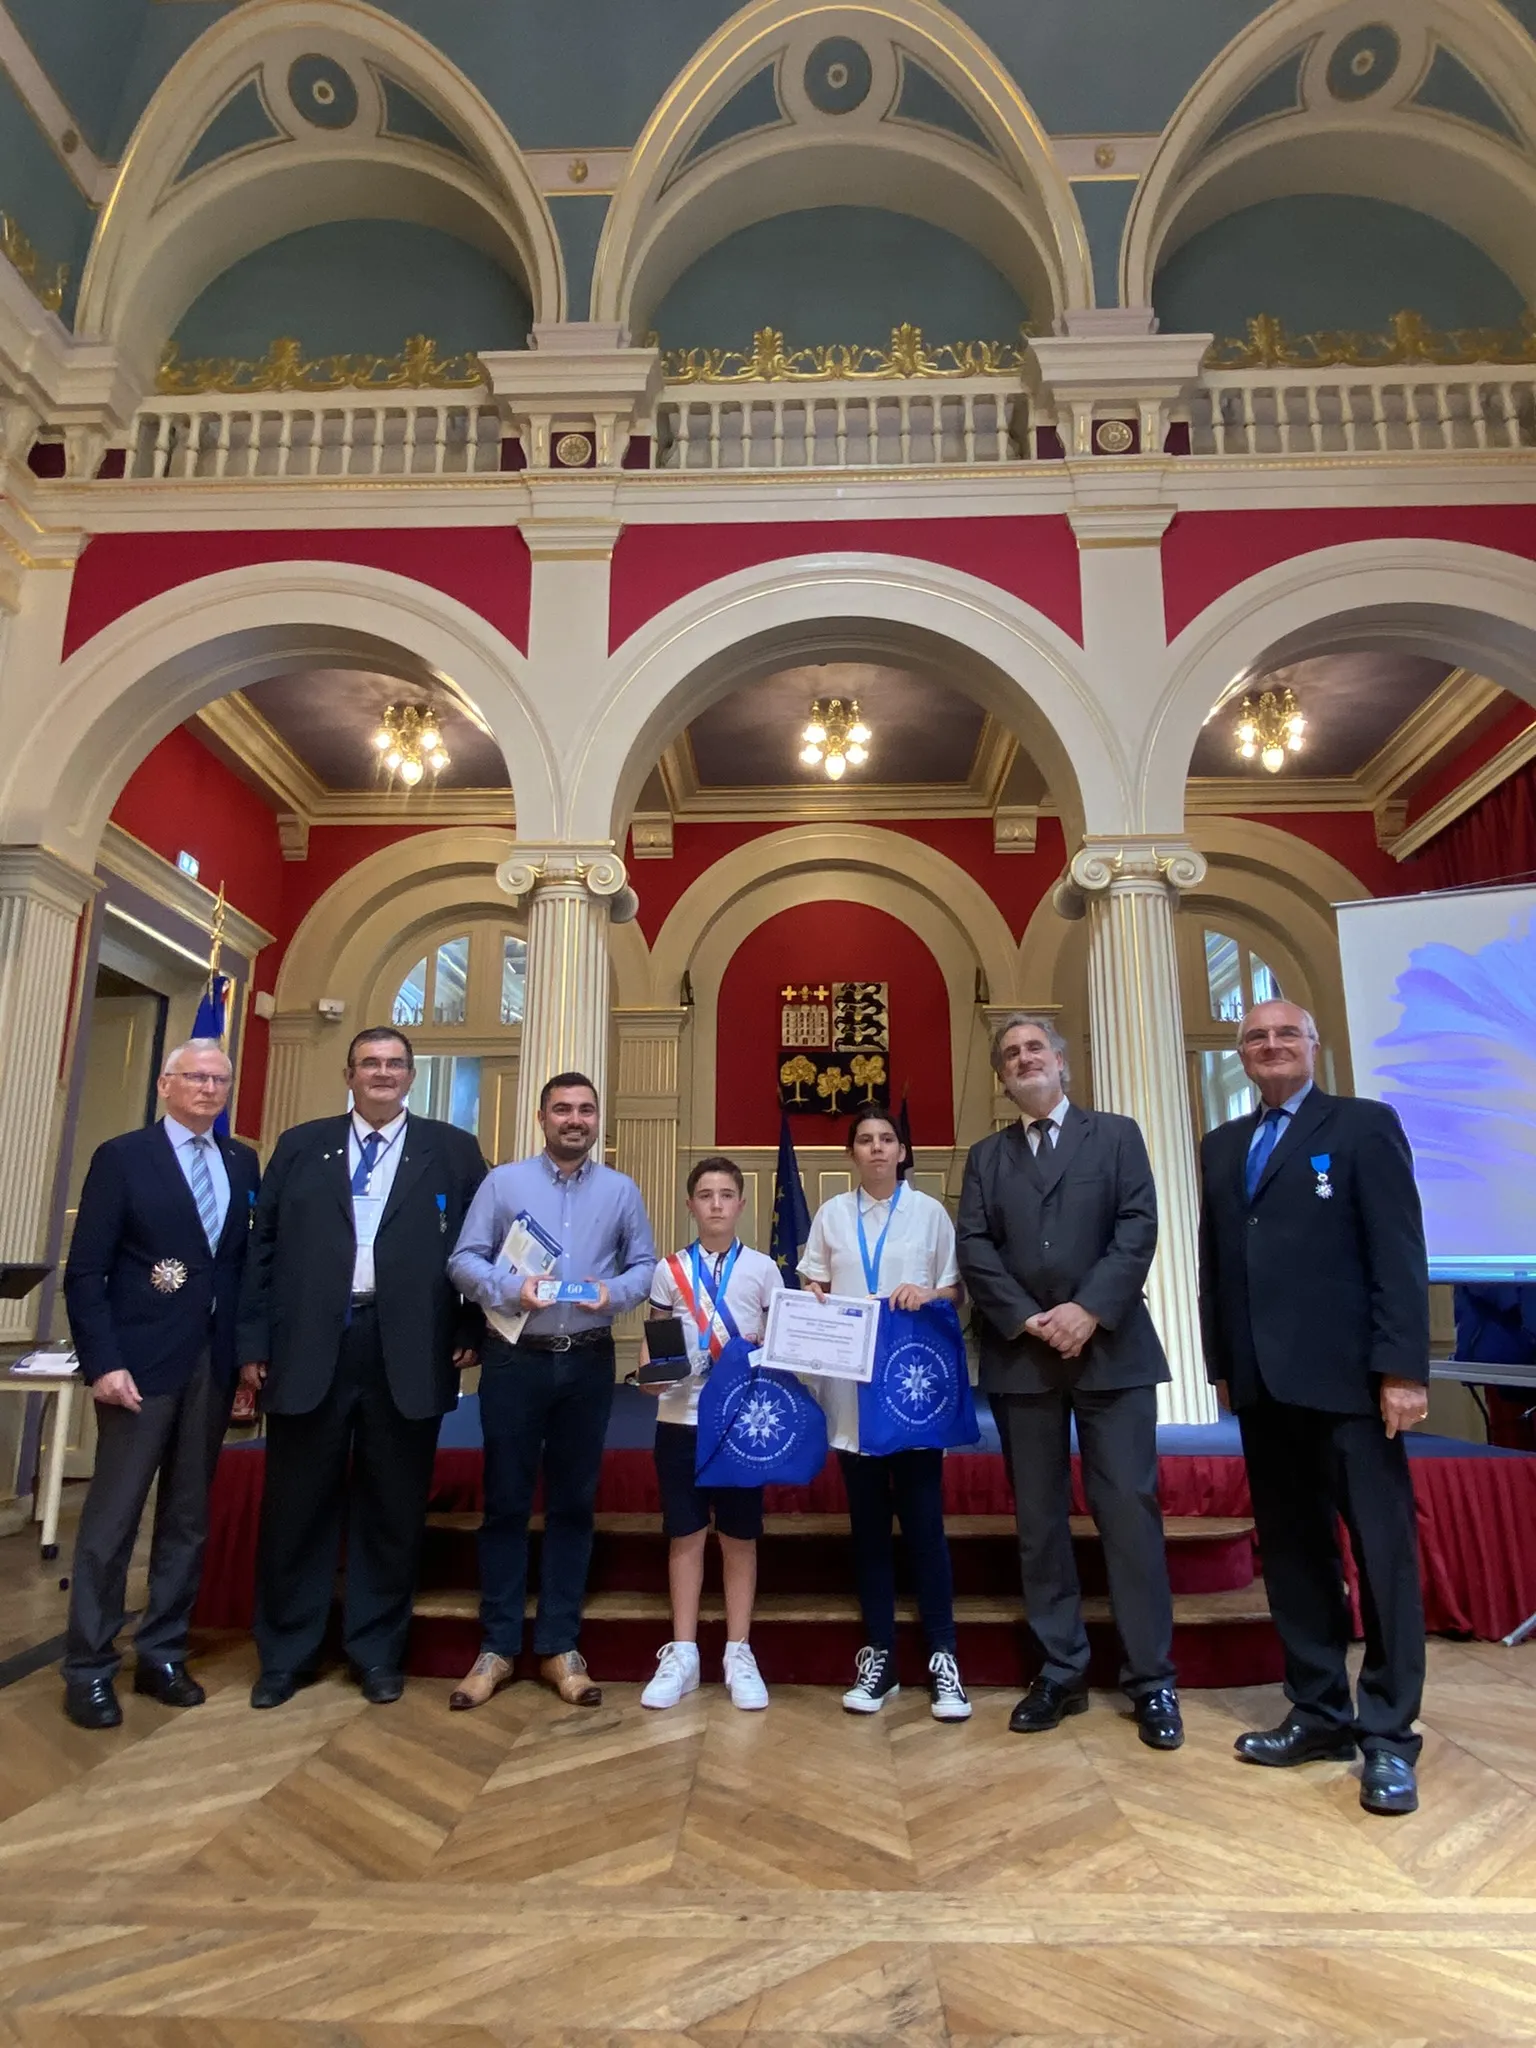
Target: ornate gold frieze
1267,346
769,362
24,259
285,367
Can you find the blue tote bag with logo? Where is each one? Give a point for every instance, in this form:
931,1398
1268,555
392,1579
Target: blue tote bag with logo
919,1398
757,1428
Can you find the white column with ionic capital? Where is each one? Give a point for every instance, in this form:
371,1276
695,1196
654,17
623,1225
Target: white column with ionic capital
571,892
1129,890
41,898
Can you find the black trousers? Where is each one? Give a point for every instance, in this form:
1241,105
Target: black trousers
354,1461
910,1486
1305,1470
177,1437
1117,1441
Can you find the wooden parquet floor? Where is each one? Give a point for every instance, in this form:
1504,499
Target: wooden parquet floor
331,1875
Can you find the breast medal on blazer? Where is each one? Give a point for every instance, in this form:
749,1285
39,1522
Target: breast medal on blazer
1319,1284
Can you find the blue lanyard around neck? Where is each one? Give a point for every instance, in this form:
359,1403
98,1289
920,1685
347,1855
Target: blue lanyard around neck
710,1294
872,1265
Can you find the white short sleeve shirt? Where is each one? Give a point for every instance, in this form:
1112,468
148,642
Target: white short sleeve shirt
755,1279
918,1252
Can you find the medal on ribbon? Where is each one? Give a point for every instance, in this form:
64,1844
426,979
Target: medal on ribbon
167,1276
1320,1162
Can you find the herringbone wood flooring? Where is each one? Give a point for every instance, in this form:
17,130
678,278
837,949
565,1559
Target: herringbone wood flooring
331,1875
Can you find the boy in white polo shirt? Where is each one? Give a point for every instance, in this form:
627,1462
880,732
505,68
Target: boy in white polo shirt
719,1290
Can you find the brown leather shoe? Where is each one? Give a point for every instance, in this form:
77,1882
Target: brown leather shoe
486,1676
568,1674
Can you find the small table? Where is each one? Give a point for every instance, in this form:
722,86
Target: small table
45,1501
1471,1373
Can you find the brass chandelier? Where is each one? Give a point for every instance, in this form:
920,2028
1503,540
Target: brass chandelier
1270,728
836,737
410,744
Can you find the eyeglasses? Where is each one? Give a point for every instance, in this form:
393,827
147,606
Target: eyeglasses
1281,1034
200,1080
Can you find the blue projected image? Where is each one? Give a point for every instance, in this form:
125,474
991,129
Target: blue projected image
1460,1070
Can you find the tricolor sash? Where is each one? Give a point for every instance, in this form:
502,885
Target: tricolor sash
705,1299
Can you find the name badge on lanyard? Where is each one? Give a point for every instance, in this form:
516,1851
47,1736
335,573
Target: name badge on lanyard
872,1265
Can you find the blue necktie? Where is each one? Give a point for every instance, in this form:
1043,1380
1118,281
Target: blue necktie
202,1193
1263,1145
370,1152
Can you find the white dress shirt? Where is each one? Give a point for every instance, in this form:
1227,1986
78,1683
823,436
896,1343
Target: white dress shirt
182,1141
368,1209
755,1280
919,1252
1056,1118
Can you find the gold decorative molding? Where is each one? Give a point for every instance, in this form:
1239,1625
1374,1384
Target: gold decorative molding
770,362
1509,760
1267,345
285,367
19,252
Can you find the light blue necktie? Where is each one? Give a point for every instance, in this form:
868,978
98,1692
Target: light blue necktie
1263,1145
368,1152
202,1192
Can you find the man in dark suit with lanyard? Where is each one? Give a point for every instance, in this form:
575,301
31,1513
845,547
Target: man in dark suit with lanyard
1314,1300
353,1332
151,1286
1056,1232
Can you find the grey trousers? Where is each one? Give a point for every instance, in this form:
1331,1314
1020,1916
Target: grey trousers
176,1436
1117,1441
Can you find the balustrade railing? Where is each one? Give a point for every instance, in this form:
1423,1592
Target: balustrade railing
353,434
917,423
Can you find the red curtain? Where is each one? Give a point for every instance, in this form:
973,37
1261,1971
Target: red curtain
1493,842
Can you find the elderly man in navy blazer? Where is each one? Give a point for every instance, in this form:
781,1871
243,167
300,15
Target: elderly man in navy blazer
151,1289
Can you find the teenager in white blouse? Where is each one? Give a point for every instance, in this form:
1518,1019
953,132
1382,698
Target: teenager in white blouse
885,1238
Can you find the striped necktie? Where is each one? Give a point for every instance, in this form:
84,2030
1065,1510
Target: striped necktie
202,1192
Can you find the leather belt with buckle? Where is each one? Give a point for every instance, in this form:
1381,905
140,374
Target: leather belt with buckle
565,1342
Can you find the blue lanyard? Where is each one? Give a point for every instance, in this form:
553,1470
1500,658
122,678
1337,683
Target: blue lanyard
872,1265
710,1294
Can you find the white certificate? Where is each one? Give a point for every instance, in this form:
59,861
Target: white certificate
834,1339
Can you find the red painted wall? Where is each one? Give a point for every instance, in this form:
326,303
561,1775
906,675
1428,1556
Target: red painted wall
484,567
1450,775
1206,553
824,942
1015,881
1034,558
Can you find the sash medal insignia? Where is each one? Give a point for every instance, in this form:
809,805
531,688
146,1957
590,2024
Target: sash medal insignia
1321,1161
167,1276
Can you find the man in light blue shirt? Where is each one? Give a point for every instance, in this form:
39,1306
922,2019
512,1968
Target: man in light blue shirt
546,1395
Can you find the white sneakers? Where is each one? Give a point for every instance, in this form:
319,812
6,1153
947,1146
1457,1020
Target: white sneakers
677,1674
744,1679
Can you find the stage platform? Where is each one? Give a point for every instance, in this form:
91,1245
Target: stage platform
1477,1548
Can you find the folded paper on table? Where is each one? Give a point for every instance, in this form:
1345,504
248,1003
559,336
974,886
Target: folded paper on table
46,1365
528,1249
832,1338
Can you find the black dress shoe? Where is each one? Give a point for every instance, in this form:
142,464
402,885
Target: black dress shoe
171,1684
1158,1720
380,1684
1387,1784
275,1688
1295,1742
91,1703
1046,1705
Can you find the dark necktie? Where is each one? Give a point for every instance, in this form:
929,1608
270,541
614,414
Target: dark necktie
369,1149
1040,1131
1263,1145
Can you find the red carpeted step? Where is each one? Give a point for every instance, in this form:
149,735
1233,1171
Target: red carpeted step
810,1553
1220,1639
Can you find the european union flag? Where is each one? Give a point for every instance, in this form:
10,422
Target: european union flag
212,1013
791,1218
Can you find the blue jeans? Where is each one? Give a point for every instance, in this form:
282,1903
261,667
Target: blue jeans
546,1408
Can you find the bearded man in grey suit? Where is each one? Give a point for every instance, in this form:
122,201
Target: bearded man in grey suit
1056,1231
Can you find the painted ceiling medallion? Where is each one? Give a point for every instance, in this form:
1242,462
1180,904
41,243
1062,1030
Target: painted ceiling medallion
1363,62
322,92
838,75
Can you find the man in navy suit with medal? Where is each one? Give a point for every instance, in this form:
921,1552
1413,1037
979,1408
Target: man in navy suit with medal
151,1287
354,1335
1315,1312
